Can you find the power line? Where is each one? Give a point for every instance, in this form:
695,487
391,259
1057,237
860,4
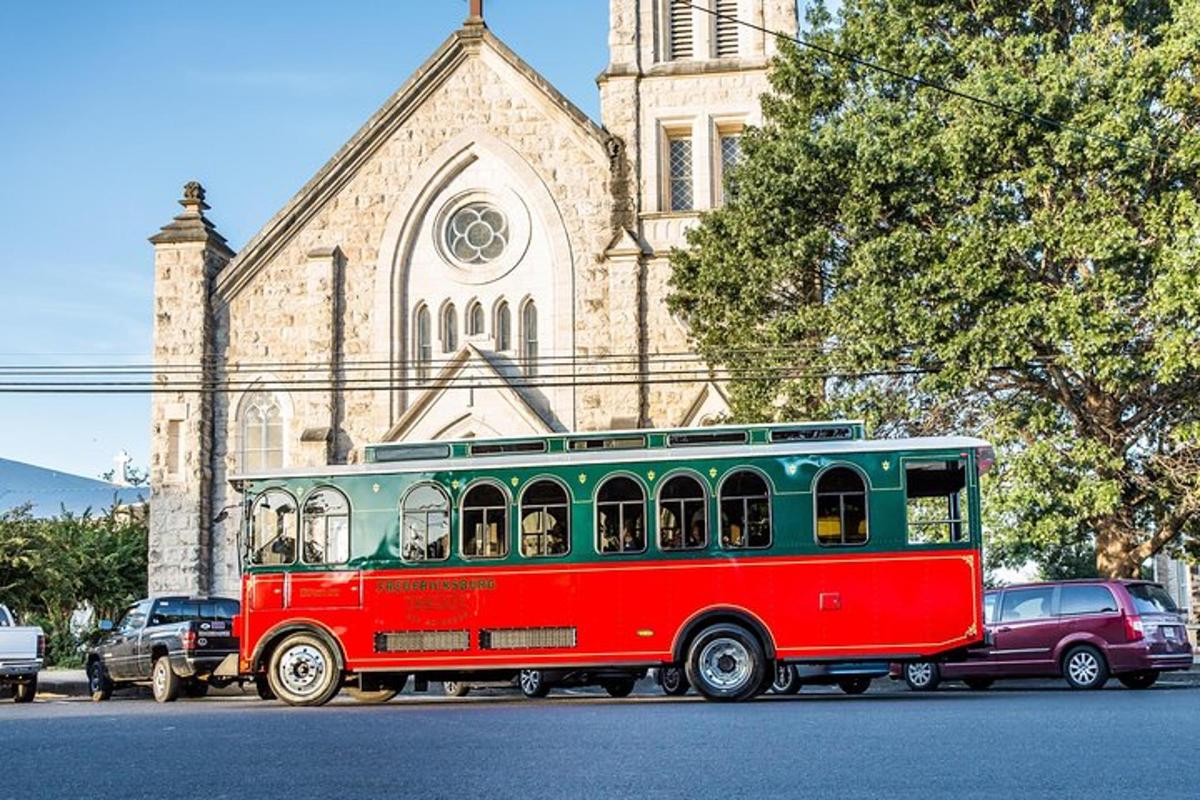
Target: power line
928,84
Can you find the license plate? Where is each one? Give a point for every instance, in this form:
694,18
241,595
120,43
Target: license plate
1169,633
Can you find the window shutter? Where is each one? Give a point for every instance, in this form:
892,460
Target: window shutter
682,36
727,28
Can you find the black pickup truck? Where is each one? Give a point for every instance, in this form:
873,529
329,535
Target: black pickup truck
173,643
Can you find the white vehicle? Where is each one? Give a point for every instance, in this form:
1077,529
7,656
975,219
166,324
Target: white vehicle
21,654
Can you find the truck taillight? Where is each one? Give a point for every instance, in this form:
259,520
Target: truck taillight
189,640
41,646
985,459
1134,630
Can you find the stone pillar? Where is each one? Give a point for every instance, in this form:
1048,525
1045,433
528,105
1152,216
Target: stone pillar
627,331
323,299
188,253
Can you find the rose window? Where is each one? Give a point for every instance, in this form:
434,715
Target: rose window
477,233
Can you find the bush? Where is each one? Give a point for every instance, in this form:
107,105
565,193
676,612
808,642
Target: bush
53,569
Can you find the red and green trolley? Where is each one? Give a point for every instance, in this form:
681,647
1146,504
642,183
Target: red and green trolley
724,551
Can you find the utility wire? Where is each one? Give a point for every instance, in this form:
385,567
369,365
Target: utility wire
928,84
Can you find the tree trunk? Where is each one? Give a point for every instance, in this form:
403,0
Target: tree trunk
1115,547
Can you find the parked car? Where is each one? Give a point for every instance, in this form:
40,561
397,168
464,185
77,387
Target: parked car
851,678
22,650
172,643
1084,631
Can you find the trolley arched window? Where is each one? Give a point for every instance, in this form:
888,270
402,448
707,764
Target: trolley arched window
621,516
484,528
745,511
682,521
425,524
545,520
424,342
325,528
841,508
273,529
449,328
503,327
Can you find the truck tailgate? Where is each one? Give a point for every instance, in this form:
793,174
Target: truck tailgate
214,638
18,644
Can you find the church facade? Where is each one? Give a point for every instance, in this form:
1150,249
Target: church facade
480,259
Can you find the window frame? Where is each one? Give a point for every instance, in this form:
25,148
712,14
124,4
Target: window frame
502,327
705,499
668,31
816,494
472,330
722,129
596,532
449,326
302,517
529,362
251,402
253,506
423,342
672,131
570,504
746,509
449,510
462,509
965,519
1062,593
1051,614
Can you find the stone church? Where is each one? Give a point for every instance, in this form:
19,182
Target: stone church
480,259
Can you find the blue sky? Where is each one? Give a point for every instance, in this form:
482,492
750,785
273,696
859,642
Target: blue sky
108,108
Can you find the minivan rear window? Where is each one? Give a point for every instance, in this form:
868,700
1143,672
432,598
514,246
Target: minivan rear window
1150,598
1076,600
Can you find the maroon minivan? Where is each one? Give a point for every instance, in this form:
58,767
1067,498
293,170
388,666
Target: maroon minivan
1084,631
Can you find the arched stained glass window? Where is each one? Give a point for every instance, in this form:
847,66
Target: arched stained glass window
262,433
424,342
475,319
529,337
503,327
449,328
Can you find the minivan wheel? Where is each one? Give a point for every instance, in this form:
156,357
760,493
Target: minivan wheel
533,683
922,676
726,662
456,688
1085,668
673,681
855,684
979,684
1139,680
620,688
787,681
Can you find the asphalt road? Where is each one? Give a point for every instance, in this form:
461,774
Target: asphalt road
1022,741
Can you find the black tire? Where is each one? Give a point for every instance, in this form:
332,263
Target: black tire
100,686
25,692
620,688
1139,680
196,689
373,697
787,680
262,687
305,670
727,663
979,684
673,681
456,688
922,676
1084,668
855,684
165,684
534,684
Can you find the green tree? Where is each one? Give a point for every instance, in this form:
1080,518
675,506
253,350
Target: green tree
976,270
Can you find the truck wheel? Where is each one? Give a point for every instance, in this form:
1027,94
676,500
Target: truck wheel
164,682
25,692
100,686
620,688
726,662
197,689
855,684
262,687
787,680
305,671
373,697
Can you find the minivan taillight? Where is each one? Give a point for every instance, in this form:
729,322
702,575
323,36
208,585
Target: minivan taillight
41,646
1134,630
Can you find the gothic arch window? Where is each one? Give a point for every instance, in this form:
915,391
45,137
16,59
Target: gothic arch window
423,342
529,337
262,432
503,327
475,322
449,329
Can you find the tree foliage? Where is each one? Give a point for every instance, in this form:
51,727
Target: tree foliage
51,568
937,264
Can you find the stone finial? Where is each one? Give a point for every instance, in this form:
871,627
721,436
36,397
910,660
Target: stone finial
191,225
193,196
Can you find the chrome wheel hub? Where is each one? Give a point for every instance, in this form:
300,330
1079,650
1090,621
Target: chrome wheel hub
1083,668
920,674
531,680
302,669
725,663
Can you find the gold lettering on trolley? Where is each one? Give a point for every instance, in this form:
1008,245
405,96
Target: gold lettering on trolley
437,585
